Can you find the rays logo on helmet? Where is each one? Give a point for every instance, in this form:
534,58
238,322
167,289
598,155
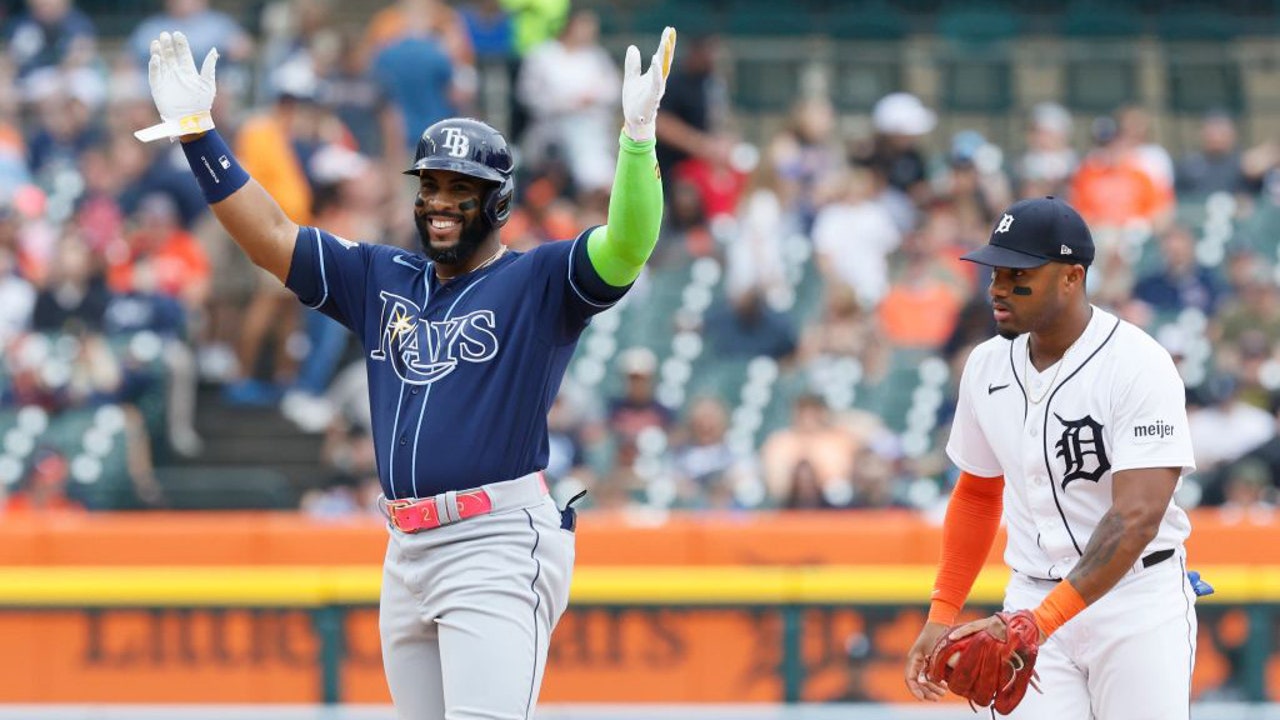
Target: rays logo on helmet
456,142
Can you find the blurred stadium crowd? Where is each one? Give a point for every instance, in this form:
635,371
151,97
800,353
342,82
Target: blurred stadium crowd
795,343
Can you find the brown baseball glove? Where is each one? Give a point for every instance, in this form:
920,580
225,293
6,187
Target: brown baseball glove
987,669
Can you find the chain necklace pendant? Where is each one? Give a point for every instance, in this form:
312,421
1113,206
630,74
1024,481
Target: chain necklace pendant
1026,359
502,250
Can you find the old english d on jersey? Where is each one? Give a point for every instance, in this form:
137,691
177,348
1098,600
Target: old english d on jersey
1059,436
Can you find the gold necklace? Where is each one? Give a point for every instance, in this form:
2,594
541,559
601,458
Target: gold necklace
502,250
1026,359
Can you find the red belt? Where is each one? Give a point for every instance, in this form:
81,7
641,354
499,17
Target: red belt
412,515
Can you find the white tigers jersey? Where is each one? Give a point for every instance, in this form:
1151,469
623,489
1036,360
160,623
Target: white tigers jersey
1113,402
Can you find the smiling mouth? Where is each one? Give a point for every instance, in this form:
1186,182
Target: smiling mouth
444,230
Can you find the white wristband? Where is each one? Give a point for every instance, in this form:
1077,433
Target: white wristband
185,125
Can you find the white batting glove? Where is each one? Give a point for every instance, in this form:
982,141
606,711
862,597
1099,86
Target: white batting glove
182,95
641,93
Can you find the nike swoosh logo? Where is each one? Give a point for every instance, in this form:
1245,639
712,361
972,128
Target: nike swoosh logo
992,388
402,260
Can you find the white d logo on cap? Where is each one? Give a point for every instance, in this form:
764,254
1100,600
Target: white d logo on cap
1006,222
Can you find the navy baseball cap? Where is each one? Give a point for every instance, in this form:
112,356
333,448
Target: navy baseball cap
1034,232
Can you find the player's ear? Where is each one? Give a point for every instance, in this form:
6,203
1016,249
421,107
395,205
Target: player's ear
1074,275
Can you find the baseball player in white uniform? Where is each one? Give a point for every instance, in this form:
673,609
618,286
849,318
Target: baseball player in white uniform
1072,423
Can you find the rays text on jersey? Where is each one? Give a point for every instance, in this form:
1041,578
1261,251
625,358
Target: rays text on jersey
422,351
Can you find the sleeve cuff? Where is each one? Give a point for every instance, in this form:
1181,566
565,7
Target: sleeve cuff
638,147
941,611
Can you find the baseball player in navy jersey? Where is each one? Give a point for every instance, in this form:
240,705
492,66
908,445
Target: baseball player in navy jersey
1073,424
466,345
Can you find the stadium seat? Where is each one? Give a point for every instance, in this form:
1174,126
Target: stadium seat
614,20
719,377
976,71
142,354
1202,74
868,52
890,399
649,320
870,20
1199,84
1196,22
769,51
93,442
690,18
1260,232
790,385
767,81
1101,64
769,18
117,17
1190,212
225,488
8,420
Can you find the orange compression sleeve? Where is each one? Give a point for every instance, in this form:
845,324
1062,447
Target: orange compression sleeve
973,517
1060,605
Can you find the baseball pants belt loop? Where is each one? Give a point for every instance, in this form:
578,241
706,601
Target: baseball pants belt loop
1148,560
413,515
450,506
1151,559
1156,557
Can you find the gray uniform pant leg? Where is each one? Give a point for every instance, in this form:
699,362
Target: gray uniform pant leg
467,613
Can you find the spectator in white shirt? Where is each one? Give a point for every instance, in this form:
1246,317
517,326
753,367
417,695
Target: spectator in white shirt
571,86
854,236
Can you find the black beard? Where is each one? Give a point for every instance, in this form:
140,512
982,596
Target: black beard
472,237
1008,334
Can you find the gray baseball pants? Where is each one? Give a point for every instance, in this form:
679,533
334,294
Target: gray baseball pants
468,608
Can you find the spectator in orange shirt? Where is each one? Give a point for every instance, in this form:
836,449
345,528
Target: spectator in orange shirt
928,289
271,146
920,310
44,489
175,262
1111,190
1135,136
392,22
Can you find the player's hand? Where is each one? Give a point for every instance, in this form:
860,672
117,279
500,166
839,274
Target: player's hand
920,686
182,95
991,624
642,92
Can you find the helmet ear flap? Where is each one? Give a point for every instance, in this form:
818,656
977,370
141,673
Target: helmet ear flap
497,205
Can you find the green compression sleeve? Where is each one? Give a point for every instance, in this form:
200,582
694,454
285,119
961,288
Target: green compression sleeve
620,249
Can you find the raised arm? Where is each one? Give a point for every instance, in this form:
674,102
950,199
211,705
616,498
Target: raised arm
619,250
251,216
184,98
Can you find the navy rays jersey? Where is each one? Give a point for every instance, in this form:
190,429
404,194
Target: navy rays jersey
451,365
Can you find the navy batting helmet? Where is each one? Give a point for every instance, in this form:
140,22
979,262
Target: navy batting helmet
473,148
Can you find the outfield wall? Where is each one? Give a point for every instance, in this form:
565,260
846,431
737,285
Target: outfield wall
761,608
